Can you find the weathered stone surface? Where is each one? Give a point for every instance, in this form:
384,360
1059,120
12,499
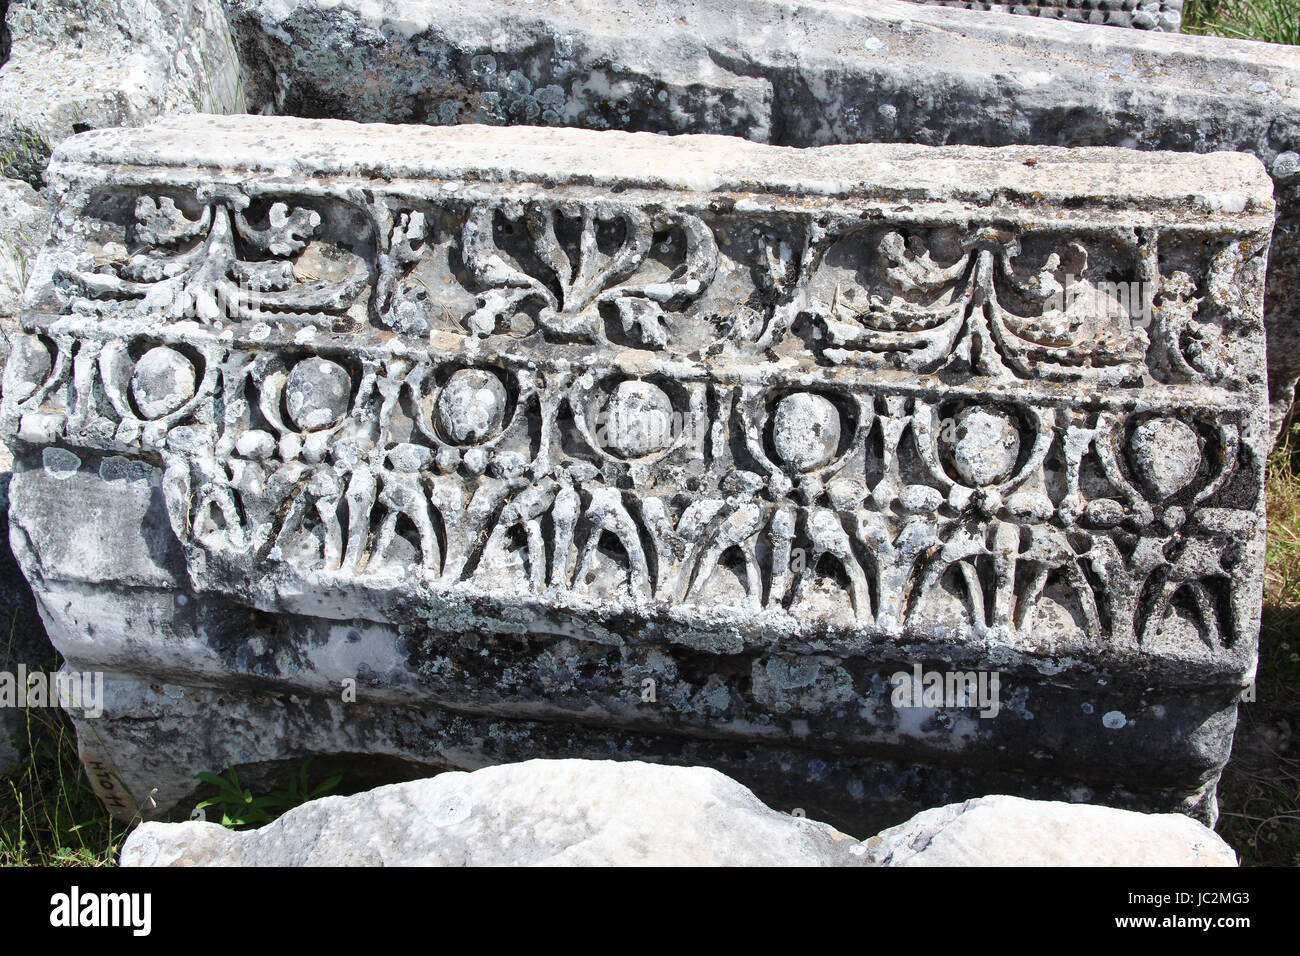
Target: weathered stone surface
538,813
603,813
75,65
556,443
160,731
796,74
83,64
24,224
1139,14
1010,831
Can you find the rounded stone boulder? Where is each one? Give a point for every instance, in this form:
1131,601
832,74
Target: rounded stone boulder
536,813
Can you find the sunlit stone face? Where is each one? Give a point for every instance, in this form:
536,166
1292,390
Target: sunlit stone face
583,444
638,419
316,394
985,447
806,431
162,382
29,365
1166,454
472,406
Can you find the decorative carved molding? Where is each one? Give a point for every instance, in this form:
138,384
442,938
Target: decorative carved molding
848,418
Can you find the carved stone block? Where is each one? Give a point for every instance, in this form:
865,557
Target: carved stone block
557,443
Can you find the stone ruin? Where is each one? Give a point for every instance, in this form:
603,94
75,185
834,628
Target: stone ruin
892,443
67,66
466,445
625,813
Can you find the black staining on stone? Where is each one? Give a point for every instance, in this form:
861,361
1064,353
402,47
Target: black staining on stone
6,38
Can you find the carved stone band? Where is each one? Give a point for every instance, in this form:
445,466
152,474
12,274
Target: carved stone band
510,421
1146,15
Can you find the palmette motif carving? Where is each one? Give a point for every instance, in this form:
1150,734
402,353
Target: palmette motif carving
569,292
220,264
935,315
803,423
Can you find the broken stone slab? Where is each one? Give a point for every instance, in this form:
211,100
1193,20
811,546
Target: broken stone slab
537,813
606,813
1011,831
84,64
75,65
165,730
797,74
24,227
459,445
1164,15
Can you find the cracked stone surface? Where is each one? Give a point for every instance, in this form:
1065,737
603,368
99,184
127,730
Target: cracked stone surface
456,446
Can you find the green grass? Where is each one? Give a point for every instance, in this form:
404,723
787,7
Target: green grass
1259,796
49,816
23,155
1272,21
240,809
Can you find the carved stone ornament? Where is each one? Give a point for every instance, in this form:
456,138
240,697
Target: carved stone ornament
504,423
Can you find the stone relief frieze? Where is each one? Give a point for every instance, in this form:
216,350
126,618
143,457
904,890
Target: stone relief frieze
622,407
